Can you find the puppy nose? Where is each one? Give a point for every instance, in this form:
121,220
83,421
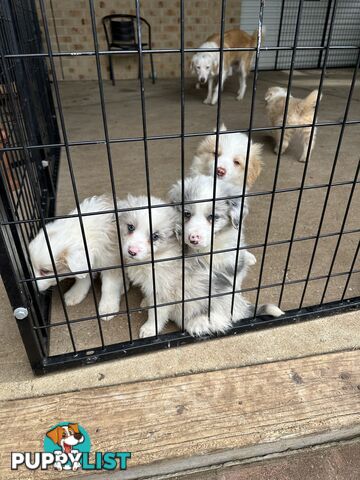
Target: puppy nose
221,171
78,436
202,80
194,239
133,251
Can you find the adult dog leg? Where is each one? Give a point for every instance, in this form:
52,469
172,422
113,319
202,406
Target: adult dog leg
78,291
216,90
242,81
210,89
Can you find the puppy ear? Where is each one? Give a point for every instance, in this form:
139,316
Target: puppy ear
235,211
255,164
75,427
76,260
120,205
175,193
55,434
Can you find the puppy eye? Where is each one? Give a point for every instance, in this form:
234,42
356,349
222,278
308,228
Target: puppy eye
197,68
155,236
187,214
210,218
237,163
64,434
130,227
43,272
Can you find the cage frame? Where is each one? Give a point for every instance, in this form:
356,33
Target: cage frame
17,282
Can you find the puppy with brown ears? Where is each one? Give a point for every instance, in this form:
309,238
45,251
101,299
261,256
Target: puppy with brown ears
300,112
232,151
68,251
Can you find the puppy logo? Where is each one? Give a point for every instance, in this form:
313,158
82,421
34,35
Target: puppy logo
68,441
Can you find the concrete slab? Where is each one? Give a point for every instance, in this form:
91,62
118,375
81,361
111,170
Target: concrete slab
340,462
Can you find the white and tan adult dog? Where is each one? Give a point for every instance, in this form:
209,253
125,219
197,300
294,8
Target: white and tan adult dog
68,251
205,65
300,112
232,152
136,243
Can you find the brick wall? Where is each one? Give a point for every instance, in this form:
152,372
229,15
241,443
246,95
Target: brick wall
72,21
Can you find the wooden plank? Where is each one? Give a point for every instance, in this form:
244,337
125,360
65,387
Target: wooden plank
192,416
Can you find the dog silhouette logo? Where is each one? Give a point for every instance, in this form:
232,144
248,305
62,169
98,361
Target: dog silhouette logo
67,447
68,441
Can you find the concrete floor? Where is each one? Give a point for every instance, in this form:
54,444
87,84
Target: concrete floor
84,122
340,462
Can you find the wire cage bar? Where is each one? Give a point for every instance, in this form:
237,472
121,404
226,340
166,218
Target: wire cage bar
34,130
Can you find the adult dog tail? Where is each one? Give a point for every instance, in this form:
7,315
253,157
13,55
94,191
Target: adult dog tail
309,102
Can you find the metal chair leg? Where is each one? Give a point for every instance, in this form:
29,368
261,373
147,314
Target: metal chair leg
152,68
112,77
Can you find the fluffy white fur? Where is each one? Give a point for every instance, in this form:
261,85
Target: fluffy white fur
69,255
198,224
300,111
136,243
232,151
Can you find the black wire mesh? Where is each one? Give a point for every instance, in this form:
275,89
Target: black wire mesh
309,35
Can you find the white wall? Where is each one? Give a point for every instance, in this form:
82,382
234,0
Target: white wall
346,30
249,19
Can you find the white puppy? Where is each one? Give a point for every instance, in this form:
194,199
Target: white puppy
67,247
136,243
232,150
199,220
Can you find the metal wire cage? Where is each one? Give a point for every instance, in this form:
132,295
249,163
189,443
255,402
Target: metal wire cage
29,164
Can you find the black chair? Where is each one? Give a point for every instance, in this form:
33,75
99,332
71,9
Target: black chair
121,34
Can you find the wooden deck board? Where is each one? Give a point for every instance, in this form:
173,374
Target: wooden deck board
191,416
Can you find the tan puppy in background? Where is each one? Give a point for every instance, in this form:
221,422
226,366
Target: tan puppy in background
206,64
300,112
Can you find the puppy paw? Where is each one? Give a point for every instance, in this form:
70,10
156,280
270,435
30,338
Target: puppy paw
199,326
73,297
207,101
214,101
107,308
147,330
302,159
